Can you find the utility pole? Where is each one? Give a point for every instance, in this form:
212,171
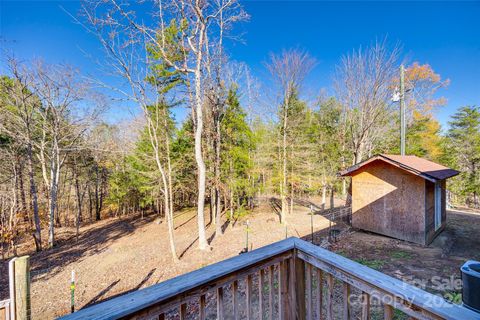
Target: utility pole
402,110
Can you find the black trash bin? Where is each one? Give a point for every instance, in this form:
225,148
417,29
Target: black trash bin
471,285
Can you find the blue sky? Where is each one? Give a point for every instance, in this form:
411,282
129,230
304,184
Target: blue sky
445,34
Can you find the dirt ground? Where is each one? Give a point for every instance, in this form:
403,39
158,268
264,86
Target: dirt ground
116,256
435,268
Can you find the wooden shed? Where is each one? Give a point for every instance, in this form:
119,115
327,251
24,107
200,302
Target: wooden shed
399,196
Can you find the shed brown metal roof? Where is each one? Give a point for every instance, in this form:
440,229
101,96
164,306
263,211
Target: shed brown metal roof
422,167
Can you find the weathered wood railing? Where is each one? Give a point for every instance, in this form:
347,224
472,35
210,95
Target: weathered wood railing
290,279
17,307
5,309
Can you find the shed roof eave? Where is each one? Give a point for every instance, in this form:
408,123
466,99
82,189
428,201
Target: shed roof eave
351,171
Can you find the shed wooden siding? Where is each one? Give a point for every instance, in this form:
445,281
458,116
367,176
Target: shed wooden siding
389,201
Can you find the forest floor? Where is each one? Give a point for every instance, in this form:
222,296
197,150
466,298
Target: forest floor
435,268
118,255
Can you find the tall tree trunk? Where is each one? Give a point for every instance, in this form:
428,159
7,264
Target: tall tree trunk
212,205
283,189
23,197
290,210
344,180
52,204
37,235
14,205
324,195
54,172
169,186
97,196
90,203
168,212
102,192
202,239
79,200
61,191
165,182
332,201
218,211
231,206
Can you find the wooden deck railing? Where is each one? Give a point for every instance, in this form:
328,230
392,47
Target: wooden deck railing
5,309
290,279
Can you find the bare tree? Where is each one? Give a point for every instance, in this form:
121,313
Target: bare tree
19,121
63,121
127,57
197,25
364,86
288,71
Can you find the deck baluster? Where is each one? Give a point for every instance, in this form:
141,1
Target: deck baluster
330,283
346,301
282,286
220,303
260,293
235,299
308,276
295,290
183,311
270,291
387,312
202,307
319,293
249,297
365,306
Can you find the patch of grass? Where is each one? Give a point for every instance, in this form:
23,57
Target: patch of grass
374,264
453,297
376,315
400,254
399,315
240,212
341,252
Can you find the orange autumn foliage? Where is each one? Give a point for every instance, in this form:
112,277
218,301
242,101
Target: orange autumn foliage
423,83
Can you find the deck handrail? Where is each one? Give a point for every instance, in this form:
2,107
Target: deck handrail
5,311
335,264
301,255
143,298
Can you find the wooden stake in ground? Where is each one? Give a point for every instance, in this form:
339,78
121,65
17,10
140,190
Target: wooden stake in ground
22,288
72,292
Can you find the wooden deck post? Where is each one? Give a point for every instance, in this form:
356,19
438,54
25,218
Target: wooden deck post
319,290
220,312
11,284
298,286
346,302
308,284
270,292
388,312
234,300
261,275
283,309
202,308
22,288
249,297
365,306
330,290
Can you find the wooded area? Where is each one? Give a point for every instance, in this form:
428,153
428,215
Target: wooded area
63,163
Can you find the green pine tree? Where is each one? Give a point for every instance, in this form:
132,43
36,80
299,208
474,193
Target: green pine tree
237,142
463,149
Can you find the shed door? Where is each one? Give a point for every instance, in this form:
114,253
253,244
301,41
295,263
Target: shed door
438,205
